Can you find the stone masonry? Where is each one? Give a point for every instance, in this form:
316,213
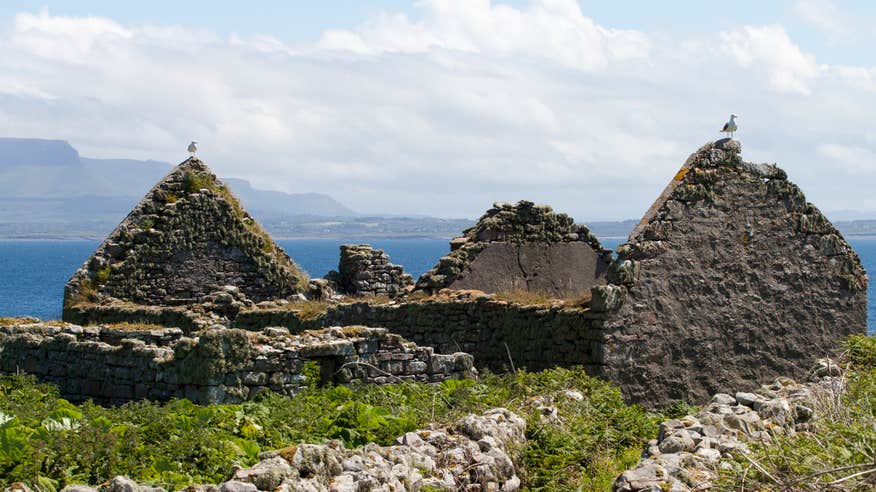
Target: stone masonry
730,279
500,335
364,271
522,247
221,365
187,238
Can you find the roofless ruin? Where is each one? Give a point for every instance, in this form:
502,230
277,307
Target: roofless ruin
730,278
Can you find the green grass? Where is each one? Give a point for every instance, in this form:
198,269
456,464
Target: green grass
837,454
50,442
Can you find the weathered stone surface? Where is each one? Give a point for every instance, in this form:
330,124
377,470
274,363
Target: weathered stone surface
523,246
737,279
186,239
363,271
218,365
687,454
473,454
498,334
560,269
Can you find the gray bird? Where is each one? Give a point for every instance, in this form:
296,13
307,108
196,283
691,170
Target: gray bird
193,147
730,126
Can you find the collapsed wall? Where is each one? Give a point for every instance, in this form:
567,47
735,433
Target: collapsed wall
522,247
365,271
186,239
731,278
110,365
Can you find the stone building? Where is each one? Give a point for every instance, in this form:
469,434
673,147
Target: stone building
186,239
730,279
522,247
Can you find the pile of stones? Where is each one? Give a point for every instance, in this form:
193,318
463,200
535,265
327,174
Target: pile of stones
520,223
689,453
472,454
365,271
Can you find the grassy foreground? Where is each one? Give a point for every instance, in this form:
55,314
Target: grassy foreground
49,442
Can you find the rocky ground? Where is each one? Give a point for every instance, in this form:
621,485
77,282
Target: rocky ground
690,452
473,454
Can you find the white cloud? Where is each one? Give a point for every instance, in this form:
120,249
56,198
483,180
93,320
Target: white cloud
770,49
554,30
442,114
852,158
827,17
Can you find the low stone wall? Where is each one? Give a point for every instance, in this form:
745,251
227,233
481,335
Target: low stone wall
220,365
95,314
494,332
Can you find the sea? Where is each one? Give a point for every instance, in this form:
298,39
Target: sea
33,273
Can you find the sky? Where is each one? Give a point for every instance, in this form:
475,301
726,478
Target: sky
442,107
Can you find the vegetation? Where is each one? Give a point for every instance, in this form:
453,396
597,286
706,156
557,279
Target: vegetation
309,309
530,298
838,454
102,275
194,182
46,441
126,326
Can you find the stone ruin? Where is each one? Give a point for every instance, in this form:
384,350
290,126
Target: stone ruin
365,271
114,365
186,240
522,247
730,279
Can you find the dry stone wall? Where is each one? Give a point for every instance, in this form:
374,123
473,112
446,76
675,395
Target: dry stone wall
186,239
730,278
496,333
364,271
218,366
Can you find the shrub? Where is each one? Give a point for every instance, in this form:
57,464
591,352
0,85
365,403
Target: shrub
194,182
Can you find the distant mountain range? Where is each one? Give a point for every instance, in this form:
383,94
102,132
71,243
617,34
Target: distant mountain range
48,191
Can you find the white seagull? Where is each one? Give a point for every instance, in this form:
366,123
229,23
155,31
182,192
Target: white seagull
193,147
730,126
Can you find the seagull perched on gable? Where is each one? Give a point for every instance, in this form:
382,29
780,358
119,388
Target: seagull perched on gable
193,147
730,126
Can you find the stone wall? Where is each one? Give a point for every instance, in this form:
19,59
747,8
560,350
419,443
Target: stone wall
731,278
187,238
525,247
494,332
364,271
220,365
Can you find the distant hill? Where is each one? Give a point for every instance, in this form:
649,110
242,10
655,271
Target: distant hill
48,190
273,204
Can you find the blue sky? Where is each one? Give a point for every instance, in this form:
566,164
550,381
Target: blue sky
442,106
300,21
